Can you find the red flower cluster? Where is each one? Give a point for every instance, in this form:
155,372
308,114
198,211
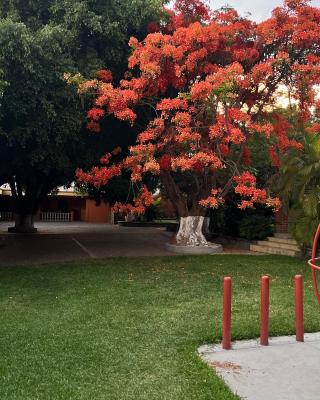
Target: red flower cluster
98,176
143,201
213,201
172,104
197,162
201,90
246,187
95,114
104,75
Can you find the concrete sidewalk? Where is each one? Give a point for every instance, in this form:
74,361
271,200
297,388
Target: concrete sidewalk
284,370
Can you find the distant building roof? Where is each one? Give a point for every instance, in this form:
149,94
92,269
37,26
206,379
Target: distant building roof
60,191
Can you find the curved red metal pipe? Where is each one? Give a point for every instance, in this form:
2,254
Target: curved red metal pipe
313,265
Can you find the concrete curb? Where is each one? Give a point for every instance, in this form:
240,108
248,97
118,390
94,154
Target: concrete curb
195,250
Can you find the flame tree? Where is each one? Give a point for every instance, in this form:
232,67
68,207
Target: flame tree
212,84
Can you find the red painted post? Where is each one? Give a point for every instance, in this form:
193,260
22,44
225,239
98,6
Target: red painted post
226,326
298,291
264,311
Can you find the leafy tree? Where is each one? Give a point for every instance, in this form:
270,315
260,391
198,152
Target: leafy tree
298,183
302,174
212,86
39,116
99,29
42,132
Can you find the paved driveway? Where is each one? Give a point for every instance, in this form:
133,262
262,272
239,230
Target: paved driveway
72,241
79,240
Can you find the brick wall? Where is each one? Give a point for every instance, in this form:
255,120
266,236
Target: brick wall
98,214
281,221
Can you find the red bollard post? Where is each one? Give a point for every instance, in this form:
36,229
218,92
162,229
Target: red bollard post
264,311
298,291
226,326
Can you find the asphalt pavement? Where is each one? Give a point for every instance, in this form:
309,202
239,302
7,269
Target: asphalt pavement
66,242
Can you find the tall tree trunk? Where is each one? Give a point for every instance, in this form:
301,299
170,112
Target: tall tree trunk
24,223
190,231
193,222
174,194
26,206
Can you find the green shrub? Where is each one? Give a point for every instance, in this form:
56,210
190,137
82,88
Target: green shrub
256,227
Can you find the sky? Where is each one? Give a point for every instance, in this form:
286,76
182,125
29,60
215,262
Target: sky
259,9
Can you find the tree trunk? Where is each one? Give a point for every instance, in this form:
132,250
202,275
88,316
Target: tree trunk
190,232
24,223
174,194
206,226
26,204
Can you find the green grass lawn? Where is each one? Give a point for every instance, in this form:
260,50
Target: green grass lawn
130,328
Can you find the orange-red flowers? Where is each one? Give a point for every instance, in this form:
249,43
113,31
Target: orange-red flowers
143,200
201,90
172,104
104,75
246,188
95,114
214,200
